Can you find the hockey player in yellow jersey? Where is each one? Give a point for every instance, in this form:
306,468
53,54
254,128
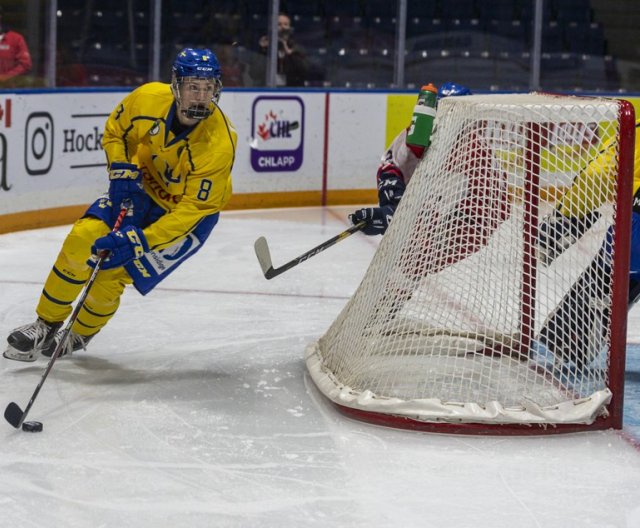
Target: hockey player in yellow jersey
170,150
577,210
574,215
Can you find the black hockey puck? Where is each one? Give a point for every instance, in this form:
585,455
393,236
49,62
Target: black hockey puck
32,427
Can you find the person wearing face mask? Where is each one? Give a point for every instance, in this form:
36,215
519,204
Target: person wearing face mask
293,66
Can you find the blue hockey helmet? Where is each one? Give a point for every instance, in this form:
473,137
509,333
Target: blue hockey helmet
193,62
197,64
452,89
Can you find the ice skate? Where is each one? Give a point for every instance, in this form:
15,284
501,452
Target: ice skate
26,342
74,343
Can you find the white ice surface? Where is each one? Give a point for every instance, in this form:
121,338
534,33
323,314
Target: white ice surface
193,408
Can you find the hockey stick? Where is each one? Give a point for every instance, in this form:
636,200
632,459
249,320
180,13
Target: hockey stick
13,414
264,255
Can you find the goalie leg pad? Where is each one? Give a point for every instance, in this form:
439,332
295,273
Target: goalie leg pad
584,307
558,233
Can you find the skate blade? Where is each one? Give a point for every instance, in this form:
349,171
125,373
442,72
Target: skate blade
16,355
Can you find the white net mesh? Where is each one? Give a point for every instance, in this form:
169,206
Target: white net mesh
461,316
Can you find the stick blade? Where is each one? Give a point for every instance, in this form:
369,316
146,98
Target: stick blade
264,256
13,414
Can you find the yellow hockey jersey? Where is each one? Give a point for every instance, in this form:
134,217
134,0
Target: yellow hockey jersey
188,175
579,200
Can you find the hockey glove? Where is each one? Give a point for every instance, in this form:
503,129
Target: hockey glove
377,218
391,186
557,233
125,182
122,247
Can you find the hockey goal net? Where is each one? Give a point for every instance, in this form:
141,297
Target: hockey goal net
443,332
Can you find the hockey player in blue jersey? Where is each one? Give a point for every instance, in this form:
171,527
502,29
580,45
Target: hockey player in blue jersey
170,150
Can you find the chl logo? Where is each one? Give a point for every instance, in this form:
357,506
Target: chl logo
272,127
278,134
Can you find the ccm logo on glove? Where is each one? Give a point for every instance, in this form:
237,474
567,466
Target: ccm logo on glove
125,183
122,247
136,243
124,171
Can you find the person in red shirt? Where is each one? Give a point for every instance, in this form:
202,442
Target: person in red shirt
15,58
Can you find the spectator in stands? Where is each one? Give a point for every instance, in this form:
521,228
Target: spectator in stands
293,64
15,59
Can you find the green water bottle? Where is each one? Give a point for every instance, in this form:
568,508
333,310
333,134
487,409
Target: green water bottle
424,113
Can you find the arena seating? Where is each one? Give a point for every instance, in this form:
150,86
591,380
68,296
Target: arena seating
485,44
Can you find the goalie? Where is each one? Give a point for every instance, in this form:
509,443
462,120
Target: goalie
170,150
563,345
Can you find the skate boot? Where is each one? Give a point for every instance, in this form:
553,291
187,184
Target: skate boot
74,342
26,342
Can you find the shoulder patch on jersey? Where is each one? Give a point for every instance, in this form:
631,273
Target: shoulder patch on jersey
155,129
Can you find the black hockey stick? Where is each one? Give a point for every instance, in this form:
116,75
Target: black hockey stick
264,255
13,414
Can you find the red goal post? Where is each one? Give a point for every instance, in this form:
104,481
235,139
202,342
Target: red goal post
443,332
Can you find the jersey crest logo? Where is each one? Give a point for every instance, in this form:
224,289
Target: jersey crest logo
168,174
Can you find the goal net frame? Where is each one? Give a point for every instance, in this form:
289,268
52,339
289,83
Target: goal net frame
335,359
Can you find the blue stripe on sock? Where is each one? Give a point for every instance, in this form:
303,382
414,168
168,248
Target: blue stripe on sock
84,324
54,300
95,314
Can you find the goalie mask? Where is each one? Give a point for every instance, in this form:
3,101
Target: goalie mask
196,84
